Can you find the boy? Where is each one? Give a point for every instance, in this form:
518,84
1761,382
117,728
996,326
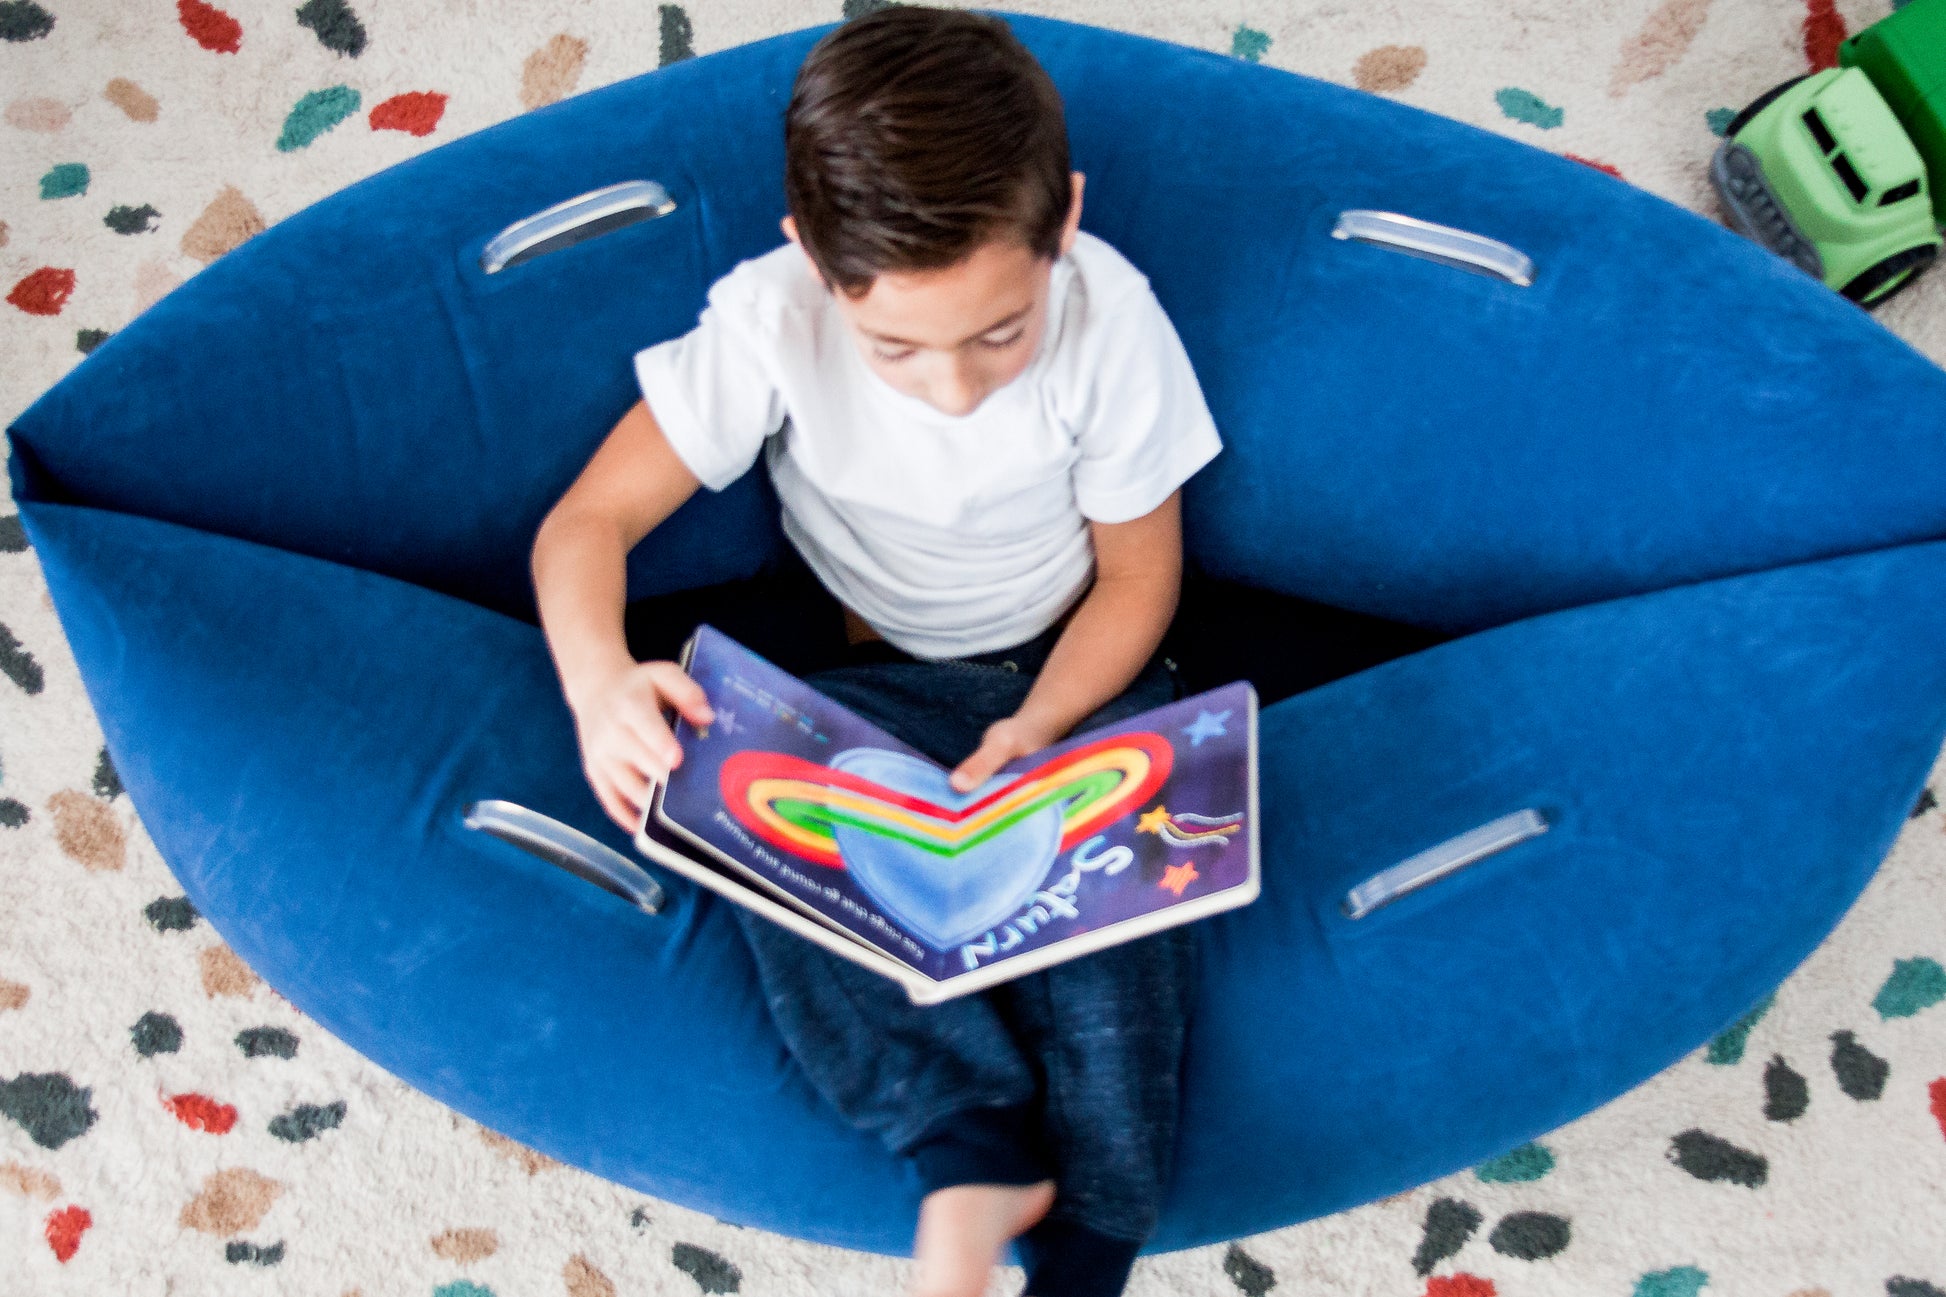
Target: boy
978,420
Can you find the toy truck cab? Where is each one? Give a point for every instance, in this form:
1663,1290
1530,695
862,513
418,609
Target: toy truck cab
1836,172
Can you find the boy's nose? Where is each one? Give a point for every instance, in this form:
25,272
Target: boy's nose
955,391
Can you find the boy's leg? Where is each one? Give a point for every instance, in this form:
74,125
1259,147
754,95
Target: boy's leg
1106,1033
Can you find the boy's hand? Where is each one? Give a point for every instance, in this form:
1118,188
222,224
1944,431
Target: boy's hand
1015,736
625,742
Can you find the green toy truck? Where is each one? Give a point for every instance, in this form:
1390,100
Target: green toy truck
1843,172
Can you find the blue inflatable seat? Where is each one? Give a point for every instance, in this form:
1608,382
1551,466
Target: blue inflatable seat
1677,504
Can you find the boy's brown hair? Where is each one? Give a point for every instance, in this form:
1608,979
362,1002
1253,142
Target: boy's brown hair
914,136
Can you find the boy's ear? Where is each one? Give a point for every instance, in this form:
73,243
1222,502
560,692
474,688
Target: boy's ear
789,227
1073,222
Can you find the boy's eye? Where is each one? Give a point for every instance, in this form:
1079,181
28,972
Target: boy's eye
1007,341
892,357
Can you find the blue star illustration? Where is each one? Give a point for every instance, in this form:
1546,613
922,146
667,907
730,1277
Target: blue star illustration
1206,726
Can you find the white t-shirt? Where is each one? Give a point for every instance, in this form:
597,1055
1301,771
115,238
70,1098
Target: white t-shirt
948,535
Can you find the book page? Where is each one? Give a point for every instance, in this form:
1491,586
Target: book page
1107,835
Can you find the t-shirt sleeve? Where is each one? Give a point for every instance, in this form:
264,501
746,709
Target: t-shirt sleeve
711,393
1145,428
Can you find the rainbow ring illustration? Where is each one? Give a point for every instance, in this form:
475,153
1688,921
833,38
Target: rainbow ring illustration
798,805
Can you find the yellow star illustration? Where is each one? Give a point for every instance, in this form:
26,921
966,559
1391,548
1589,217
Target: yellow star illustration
1152,821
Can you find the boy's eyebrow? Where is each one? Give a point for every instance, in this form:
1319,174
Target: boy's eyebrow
1001,323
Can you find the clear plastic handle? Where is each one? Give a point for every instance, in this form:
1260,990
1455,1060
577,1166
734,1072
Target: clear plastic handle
1442,243
570,848
1436,862
575,221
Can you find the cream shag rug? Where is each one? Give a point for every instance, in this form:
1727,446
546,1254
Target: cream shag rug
172,1126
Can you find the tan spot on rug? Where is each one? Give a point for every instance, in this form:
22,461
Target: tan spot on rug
230,219
29,1182
230,1202
153,282
88,831
43,115
224,973
552,71
1664,37
1388,68
13,995
466,1245
138,103
583,1280
530,1160
3,234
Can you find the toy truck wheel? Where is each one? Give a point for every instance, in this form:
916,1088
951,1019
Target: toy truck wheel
1757,105
1878,283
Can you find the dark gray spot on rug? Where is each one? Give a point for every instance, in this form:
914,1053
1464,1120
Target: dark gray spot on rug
156,1033
1786,1095
108,784
1531,1235
1861,1073
12,813
49,1106
170,914
1252,1277
256,1042
1901,1286
337,27
23,20
639,1218
18,663
13,536
124,219
307,1121
712,1273
1925,803
1708,1157
86,340
678,36
240,1253
1449,1223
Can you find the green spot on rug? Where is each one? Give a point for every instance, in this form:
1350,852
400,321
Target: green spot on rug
1683,1281
1728,1047
1249,44
315,114
1528,1162
1719,120
462,1288
1526,106
65,180
1915,984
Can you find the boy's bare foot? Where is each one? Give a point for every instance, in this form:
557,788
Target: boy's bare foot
962,1229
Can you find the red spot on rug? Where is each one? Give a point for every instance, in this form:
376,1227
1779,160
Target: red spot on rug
209,26
1824,31
1604,167
1459,1285
200,1112
1938,1091
415,113
64,1230
44,292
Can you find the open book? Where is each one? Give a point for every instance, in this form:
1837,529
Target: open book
813,817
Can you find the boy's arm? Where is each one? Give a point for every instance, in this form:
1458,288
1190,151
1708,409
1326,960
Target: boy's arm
579,566
1113,633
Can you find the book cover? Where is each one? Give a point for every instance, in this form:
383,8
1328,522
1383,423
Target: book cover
823,816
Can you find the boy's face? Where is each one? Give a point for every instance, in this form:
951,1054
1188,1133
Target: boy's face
953,336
